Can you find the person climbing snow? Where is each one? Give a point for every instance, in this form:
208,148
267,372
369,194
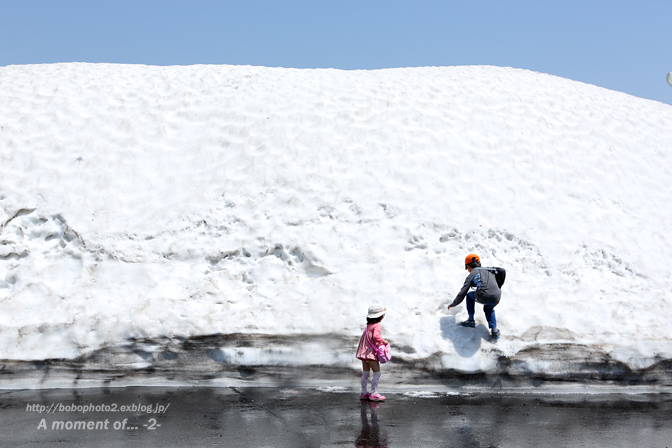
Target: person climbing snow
487,292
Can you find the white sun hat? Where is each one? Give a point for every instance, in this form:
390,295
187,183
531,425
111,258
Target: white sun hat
376,310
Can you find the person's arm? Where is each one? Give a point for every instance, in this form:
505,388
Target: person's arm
377,338
463,292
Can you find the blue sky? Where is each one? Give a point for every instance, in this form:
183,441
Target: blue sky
620,45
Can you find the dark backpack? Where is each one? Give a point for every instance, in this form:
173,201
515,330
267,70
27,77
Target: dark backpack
500,276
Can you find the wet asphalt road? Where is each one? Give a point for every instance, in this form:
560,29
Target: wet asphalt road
286,417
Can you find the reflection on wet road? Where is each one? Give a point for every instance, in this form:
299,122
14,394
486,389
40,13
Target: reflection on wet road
288,417
370,435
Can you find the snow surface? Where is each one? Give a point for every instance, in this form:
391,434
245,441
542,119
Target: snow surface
142,203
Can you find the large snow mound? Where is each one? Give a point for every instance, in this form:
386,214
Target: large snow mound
154,203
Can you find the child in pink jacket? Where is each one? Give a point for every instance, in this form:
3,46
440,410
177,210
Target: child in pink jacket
367,355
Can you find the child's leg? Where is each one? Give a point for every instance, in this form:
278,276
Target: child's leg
375,366
366,369
471,309
374,382
489,311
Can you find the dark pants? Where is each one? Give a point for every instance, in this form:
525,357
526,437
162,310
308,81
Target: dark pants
488,309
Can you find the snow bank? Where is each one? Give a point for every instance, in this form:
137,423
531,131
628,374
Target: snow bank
144,203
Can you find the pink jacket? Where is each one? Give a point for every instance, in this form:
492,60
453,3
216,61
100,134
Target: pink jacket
364,350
